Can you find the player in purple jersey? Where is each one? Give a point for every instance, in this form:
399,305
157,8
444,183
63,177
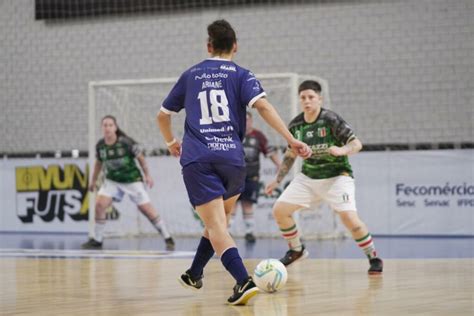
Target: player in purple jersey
215,94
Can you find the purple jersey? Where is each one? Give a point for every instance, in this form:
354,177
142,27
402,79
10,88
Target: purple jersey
214,94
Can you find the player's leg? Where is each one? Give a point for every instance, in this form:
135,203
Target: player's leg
363,238
234,181
204,253
213,189
341,196
231,216
101,204
296,196
140,197
155,219
109,191
192,278
248,199
283,214
213,214
249,221
230,206
195,177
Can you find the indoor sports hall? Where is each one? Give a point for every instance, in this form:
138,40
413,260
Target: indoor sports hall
400,73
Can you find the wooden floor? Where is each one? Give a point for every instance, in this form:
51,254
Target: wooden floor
92,286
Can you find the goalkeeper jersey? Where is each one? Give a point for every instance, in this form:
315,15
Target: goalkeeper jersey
327,130
118,160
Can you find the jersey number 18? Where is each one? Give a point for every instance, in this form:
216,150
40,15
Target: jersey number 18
218,105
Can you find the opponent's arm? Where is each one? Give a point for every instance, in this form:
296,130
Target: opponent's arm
288,161
344,133
351,148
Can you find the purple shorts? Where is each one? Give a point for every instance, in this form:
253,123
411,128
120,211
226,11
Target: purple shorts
207,181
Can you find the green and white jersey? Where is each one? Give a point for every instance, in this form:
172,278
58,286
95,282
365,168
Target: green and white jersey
118,160
329,129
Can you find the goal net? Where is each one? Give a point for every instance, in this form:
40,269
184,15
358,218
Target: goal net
135,104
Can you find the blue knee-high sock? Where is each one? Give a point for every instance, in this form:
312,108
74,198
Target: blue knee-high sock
233,263
203,254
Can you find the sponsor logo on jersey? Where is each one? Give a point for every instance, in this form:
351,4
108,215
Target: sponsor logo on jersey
102,153
319,149
228,67
217,75
195,69
216,139
221,146
322,131
212,130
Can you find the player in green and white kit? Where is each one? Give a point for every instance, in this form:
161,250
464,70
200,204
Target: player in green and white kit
115,155
325,176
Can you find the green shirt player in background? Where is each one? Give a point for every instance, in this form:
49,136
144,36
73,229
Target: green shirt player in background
115,155
325,177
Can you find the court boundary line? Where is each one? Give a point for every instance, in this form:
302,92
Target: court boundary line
92,254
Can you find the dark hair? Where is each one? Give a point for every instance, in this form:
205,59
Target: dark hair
118,132
310,84
221,36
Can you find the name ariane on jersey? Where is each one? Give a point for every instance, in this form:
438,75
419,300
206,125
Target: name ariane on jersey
215,94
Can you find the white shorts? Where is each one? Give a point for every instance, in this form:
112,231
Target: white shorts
116,190
338,192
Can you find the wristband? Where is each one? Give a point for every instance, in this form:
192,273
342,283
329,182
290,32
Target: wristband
171,142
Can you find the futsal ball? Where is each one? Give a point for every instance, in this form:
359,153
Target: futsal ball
270,275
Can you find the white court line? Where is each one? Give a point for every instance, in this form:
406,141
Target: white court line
106,254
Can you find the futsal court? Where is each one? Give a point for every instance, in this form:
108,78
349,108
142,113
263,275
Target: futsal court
77,75
50,275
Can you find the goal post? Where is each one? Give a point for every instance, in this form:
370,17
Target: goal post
135,104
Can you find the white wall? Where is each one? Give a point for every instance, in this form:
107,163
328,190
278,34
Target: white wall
399,71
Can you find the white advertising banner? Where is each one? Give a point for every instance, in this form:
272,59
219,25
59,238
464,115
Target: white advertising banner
43,195
397,193
416,192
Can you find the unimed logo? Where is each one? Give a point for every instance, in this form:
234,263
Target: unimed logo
52,192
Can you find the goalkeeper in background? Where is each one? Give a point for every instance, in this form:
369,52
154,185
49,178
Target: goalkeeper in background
325,176
116,154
